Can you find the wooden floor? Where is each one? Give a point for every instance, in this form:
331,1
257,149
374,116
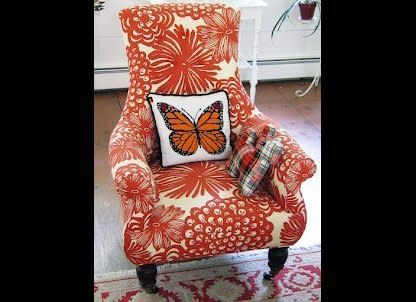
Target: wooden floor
300,116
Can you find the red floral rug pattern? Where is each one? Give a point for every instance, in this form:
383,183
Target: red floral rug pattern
233,277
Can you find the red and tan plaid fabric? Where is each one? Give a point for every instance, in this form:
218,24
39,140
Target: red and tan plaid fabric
252,157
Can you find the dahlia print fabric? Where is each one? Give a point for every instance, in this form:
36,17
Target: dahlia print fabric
192,127
195,209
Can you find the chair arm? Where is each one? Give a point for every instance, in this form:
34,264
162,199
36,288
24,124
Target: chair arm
293,168
130,170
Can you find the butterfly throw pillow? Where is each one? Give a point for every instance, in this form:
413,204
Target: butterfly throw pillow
192,127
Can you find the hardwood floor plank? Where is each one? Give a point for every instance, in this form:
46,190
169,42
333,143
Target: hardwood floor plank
108,228
288,89
106,115
121,96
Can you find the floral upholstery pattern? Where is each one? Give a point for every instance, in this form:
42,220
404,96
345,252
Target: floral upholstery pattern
195,210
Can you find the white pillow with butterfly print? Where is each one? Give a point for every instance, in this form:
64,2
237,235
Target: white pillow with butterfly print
192,127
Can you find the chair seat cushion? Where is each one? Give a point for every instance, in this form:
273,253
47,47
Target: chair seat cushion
200,212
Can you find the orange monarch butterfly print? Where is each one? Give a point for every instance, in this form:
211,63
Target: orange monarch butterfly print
188,135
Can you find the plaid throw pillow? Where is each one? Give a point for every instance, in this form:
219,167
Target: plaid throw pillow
252,157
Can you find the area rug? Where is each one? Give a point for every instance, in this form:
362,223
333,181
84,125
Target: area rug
226,278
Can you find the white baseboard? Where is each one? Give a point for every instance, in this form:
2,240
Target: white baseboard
111,80
119,78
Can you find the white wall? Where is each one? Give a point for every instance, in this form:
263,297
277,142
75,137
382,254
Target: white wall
289,43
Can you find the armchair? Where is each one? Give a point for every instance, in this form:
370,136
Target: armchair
195,210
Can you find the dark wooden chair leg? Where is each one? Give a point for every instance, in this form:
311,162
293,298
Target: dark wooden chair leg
277,259
147,277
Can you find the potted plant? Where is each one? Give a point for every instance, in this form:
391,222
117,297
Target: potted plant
307,11
98,5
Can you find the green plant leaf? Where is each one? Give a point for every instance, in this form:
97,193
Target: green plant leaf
319,21
98,5
285,15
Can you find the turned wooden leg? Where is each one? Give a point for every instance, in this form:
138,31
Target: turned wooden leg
147,277
277,259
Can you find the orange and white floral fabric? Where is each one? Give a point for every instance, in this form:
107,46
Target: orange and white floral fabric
195,210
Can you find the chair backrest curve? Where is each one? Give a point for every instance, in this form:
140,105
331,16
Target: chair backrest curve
181,49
